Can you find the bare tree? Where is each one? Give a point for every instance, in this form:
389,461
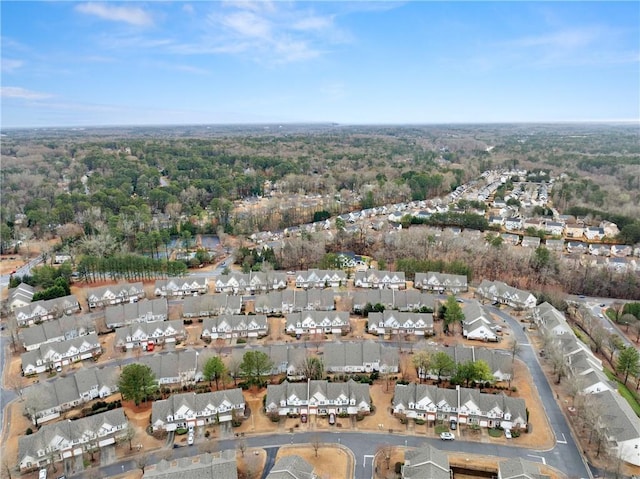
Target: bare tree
384,451
6,468
129,434
316,443
252,465
242,446
142,461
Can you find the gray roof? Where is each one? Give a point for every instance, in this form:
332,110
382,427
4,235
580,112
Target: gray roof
203,466
128,312
69,430
171,364
119,290
518,468
341,353
352,390
196,402
617,416
291,467
426,462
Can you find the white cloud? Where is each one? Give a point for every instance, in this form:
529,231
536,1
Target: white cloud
248,24
22,93
9,65
131,15
313,23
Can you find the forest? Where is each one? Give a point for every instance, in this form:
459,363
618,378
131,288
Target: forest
112,193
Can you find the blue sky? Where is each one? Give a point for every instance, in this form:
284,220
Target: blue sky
128,63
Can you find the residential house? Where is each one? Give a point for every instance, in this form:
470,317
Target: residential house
478,323
318,397
360,357
318,278
400,323
192,409
530,242
425,462
67,327
599,249
621,250
513,224
179,287
594,233
554,228
47,400
620,425
291,467
61,353
463,405
292,300
375,279
518,468
287,359
46,310
610,229
510,238
66,439
574,230
20,296
505,294
250,283
499,362
619,265
138,312
554,245
317,322
139,335
235,326
576,247
175,367
407,300
495,220
441,282
201,466
548,318
115,294
211,305
535,223
59,258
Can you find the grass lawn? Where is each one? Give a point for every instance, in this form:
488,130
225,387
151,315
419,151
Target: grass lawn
441,428
495,432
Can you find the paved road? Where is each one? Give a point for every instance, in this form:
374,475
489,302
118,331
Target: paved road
6,395
21,271
566,454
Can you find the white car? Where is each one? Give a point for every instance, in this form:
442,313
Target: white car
447,436
507,433
190,439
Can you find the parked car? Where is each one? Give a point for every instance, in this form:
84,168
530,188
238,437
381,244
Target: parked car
453,424
303,418
190,439
447,436
332,419
507,433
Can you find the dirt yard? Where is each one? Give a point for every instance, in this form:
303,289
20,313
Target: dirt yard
328,462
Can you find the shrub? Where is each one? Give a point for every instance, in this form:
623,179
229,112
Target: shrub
207,434
241,341
180,431
29,431
397,467
419,422
274,416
